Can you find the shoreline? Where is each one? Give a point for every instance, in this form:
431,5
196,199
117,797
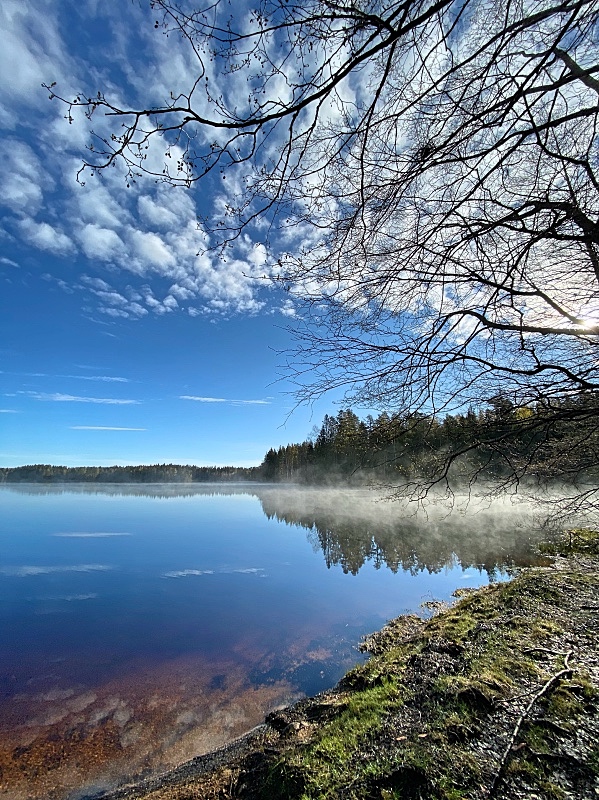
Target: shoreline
495,697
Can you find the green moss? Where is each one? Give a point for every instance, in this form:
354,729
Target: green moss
583,685
323,765
552,791
564,705
538,738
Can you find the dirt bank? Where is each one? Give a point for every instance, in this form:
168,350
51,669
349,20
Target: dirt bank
496,697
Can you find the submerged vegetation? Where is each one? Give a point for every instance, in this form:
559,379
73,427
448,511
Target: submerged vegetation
496,697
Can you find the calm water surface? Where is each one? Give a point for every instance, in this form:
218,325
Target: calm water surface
140,626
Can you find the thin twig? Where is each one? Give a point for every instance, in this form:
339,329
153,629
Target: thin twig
542,691
544,650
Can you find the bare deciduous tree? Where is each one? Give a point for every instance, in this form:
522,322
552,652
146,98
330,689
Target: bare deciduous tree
425,173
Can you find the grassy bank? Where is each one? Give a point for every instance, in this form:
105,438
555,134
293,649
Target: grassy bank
496,697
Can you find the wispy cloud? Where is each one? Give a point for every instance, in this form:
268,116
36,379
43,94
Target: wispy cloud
103,428
249,571
58,397
287,309
203,399
105,378
31,50
183,573
27,374
70,597
23,178
8,411
26,571
67,288
89,535
224,400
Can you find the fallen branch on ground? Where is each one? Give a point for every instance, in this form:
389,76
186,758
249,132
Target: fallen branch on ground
542,691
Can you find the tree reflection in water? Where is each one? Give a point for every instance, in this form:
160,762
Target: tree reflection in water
354,527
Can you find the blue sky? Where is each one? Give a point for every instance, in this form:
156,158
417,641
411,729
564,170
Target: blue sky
119,344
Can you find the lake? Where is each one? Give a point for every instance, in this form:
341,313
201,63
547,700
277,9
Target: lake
143,625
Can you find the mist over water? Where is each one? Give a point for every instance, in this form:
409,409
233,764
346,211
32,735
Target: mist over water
142,625
352,528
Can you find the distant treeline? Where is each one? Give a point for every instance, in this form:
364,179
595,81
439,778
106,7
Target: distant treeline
560,440
154,473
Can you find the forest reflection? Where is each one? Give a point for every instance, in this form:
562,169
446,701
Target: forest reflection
160,491
353,528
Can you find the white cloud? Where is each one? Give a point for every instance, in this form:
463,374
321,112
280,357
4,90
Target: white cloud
104,378
103,428
27,571
224,400
22,177
58,397
98,203
150,231
89,535
101,243
183,573
167,209
98,284
113,303
9,262
111,298
249,571
150,248
178,252
69,598
133,310
8,411
59,282
203,399
31,53
288,309
45,237
181,293
159,306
